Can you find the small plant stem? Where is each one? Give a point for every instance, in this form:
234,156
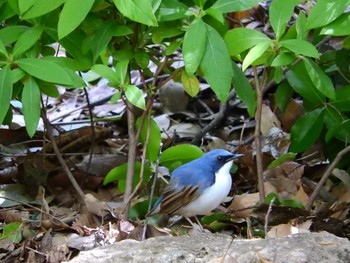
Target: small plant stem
131,158
60,158
325,176
257,134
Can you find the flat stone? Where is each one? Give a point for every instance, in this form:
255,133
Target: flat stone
306,247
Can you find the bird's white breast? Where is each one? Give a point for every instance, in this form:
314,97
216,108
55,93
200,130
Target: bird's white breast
211,197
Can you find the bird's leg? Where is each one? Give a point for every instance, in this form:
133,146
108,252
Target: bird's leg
194,225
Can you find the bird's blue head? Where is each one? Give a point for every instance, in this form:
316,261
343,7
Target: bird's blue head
216,159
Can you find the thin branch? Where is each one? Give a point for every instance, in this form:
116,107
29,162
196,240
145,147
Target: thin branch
325,176
257,133
60,158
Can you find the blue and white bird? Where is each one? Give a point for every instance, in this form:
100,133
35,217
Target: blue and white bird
197,187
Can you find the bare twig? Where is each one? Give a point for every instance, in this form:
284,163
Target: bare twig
257,138
60,158
325,177
131,159
215,122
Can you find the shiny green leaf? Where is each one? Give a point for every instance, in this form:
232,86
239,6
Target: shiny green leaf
5,91
339,27
69,18
42,7
255,53
27,40
227,6
300,47
216,64
31,105
306,130
194,45
135,96
280,12
326,11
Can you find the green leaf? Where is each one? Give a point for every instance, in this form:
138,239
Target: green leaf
281,159
12,232
45,70
342,99
171,10
106,72
190,83
137,10
255,53
5,91
306,130
283,59
180,154
119,173
300,27
31,105
27,40
3,50
102,37
244,90
241,39
339,27
337,124
216,14
303,85
72,14
216,64
121,69
142,58
300,47
154,141
42,7
193,46
227,6
24,5
321,81
326,11
280,12
284,93
135,96
11,34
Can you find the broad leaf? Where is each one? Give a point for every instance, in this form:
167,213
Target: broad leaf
42,7
137,10
284,93
321,81
280,13
72,14
216,64
27,40
135,96
106,72
244,90
171,10
24,5
154,141
337,124
339,27
3,50
119,173
31,105
306,130
5,91
241,39
121,69
194,45
326,11
254,54
303,85
11,34
179,154
227,6
190,83
283,59
300,47
45,70
342,99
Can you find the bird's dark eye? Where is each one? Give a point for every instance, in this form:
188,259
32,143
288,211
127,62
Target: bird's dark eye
219,158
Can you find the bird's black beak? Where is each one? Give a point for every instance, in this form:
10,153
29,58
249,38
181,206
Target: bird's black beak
233,157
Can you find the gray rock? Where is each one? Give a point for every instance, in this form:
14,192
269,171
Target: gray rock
307,247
